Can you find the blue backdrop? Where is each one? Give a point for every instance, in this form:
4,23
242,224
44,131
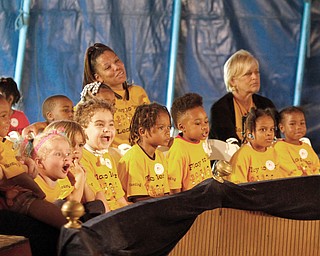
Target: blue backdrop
139,31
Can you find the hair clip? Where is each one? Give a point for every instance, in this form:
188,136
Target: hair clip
92,87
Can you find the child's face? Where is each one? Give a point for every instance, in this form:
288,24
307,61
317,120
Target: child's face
63,110
195,124
159,134
57,159
4,117
79,142
263,134
110,70
293,126
100,131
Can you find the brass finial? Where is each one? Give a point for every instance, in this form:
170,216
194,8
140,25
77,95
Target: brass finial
220,169
72,210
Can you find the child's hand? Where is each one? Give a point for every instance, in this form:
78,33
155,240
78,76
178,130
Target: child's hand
31,167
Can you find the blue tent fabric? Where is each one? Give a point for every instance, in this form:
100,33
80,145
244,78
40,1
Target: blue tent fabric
139,31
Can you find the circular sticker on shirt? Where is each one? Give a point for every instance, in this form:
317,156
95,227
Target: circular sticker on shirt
106,162
303,153
270,165
158,168
14,122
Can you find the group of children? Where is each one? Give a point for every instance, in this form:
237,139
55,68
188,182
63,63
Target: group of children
72,155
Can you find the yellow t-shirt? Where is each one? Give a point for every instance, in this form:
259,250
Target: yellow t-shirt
102,176
9,164
188,164
249,165
142,176
61,190
297,160
125,110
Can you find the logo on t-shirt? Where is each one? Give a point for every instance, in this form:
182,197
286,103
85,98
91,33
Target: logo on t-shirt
158,168
303,153
14,122
270,165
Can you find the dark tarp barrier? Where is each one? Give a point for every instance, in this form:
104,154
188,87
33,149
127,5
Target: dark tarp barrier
139,31
155,226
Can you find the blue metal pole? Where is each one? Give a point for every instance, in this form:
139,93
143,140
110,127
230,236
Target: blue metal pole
173,51
23,26
304,42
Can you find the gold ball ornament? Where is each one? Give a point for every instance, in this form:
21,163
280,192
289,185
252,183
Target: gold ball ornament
72,210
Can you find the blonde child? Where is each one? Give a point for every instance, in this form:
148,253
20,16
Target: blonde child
77,174
96,118
297,158
256,160
188,158
143,168
18,191
101,64
56,107
53,158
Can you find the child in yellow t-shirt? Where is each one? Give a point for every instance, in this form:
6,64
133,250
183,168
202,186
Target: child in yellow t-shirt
188,157
256,160
297,158
18,191
96,118
143,168
52,155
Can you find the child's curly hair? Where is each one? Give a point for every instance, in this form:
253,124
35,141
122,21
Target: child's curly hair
254,114
145,116
182,104
86,110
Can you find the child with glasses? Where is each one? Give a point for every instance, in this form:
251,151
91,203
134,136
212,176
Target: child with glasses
101,64
256,160
297,158
143,168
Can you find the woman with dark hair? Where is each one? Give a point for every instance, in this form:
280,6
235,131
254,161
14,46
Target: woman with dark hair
101,64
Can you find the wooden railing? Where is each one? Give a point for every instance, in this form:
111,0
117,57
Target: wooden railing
228,232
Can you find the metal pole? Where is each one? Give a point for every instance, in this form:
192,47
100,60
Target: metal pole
23,21
173,51
304,42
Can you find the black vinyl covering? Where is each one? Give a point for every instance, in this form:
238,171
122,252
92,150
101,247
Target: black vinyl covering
155,226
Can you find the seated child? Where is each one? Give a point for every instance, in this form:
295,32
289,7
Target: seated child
96,118
296,157
9,89
256,160
56,107
143,168
188,158
76,177
52,155
18,191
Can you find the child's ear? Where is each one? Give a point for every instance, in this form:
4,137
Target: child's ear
181,127
38,163
50,116
141,131
281,127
